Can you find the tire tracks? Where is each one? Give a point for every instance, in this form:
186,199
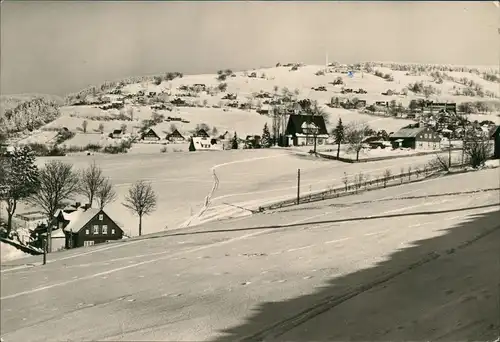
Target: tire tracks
286,325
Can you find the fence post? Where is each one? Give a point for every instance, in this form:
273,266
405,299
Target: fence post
298,186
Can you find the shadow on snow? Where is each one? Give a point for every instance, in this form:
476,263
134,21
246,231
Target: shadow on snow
272,319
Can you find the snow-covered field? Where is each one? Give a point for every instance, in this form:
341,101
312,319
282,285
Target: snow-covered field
247,178
409,263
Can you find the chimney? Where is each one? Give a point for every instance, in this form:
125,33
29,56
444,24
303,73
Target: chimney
77,205
86,206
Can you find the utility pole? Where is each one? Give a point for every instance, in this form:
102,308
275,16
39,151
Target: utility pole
449,151
298,186
44,246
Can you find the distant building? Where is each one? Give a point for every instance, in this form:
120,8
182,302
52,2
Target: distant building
416,138
201,133
175,136
150,135
207,144
116,134
299,128
435,107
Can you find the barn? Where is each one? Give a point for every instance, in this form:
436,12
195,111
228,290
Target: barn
416,138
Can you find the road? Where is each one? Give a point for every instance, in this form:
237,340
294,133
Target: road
282,275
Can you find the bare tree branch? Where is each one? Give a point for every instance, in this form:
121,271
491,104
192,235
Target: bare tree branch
58,182
105,194
91,181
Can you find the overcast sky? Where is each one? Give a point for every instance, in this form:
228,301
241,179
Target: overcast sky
60,47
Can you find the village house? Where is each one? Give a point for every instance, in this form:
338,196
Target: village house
495,136
83,226
201,133
175,136
302,130
116,134
207,144
150,135
416,138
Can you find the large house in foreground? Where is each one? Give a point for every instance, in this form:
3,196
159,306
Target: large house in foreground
416,138
301,130
79,226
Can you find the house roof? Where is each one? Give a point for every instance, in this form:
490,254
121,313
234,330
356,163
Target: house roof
201,133
117,131
300,121
407,132
175,133
79,218
149,131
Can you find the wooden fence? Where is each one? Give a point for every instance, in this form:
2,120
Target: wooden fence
358,186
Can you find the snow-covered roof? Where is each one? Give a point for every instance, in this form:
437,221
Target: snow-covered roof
79,218
407,132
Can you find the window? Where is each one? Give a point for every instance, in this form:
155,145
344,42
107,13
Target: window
113,231
96,229
101,217
87,231
88,243
105,229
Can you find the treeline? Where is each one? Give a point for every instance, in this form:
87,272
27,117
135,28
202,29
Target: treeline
108,86
29,115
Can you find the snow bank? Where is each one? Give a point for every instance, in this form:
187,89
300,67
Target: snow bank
8,252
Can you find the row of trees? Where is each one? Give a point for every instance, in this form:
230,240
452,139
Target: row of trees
29,115
52,185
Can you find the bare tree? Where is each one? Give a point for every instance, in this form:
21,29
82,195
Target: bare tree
345,180
130,112
57,183
440,163
355,133
101,128
91,181
478,150
123,128
141,200
105,194
386,176
358,180
85,123
409,173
